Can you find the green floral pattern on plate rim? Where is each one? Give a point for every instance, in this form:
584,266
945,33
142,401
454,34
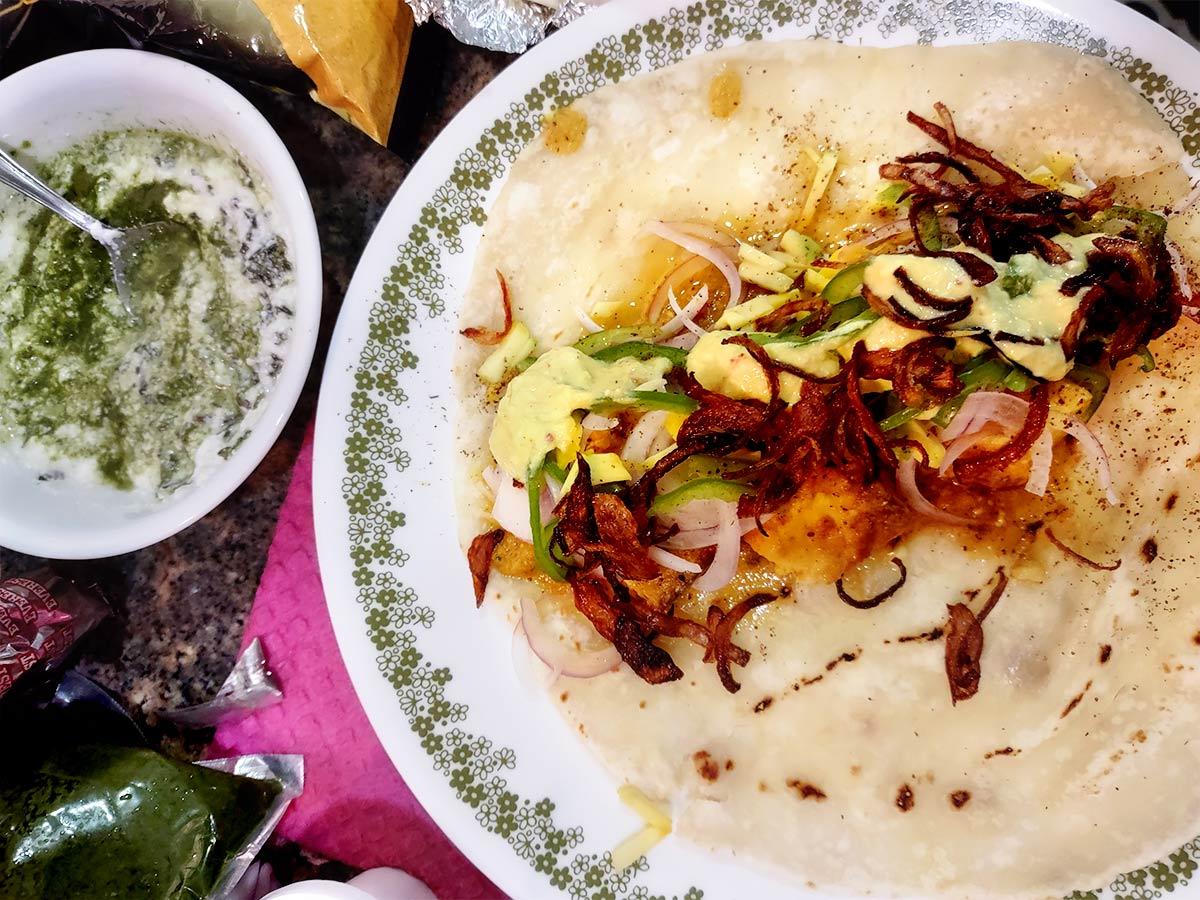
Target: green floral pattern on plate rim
374,451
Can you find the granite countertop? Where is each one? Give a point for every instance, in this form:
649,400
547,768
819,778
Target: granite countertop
182,603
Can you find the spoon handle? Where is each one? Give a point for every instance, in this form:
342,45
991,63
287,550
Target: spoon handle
16,176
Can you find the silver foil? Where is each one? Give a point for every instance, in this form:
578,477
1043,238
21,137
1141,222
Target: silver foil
249,686
285,769
507,25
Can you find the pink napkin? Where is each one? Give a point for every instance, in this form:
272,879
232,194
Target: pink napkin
355,807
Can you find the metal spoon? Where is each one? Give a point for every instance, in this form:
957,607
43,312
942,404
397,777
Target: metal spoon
124,245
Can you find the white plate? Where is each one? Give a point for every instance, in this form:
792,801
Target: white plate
491,760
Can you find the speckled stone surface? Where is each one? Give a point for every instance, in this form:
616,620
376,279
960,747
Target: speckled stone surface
182,603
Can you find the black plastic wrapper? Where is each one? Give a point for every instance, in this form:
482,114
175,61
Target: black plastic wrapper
106,819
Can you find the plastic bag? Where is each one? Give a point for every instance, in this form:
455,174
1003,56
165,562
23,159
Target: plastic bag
349,54
97,822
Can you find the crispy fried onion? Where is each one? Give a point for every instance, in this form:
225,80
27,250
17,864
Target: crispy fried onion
872,602
1079,557
488,336
722,649
964,642
601,531
1136,293
920,375
479,560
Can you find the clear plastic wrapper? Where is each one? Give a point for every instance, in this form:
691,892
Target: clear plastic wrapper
42,615
250,686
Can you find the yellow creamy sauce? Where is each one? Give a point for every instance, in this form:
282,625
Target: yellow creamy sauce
537,413
1037,310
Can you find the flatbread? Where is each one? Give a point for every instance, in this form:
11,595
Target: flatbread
1073,762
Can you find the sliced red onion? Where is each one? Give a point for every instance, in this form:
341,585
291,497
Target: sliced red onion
1179,267
958,447
711,233
1094,451
641,438
669,560
597,422
1186,202
491,477
878,235
589,324
1081,177
511,509
698,538
1039,464
695,514
554,648
685,318
729,544
684,341
980,410
705,248
906,479
982,407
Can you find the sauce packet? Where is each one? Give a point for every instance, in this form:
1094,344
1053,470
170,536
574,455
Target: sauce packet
104,822
42,615
348,55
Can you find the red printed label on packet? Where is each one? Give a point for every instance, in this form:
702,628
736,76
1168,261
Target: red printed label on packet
41,616
16,607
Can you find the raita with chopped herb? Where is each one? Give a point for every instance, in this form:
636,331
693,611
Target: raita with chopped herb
144,402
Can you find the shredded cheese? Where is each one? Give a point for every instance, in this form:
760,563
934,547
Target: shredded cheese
821,178
636,846
657,827
651,813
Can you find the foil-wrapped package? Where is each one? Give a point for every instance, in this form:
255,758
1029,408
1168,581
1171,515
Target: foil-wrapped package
42,615
507,25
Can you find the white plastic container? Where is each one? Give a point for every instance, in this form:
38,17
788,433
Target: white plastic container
374,884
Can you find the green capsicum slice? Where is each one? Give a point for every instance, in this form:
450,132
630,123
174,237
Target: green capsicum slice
612,337
699,489
542,533
845,284
643,351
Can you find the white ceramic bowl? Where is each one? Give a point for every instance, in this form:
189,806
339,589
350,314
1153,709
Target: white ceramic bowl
57,103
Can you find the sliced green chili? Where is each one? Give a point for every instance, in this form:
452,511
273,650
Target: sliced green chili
542,533
649,400
1148,227
845,284
896,419
929,230
612,337
554,470
1018,381
1147,358
641,350
700,489
1094,382
987,374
